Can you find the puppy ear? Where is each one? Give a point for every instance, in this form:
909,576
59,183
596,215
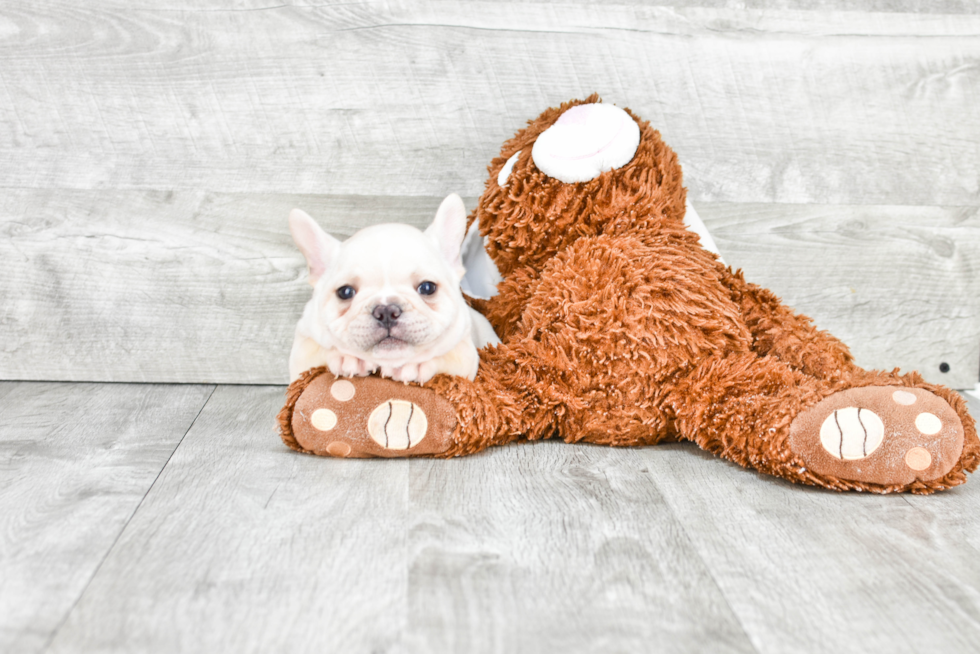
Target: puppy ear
317,246
448,230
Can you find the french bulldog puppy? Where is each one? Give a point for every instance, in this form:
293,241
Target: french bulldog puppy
388,299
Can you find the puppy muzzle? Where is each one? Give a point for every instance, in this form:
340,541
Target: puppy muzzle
387,314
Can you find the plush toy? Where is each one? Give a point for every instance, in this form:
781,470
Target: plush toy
619,328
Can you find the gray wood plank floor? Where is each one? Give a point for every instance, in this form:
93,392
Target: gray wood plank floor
171,518
76,461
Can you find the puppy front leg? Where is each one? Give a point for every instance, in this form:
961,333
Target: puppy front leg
428,370
306,354
335,362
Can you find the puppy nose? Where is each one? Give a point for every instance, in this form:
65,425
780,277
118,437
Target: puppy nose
387,314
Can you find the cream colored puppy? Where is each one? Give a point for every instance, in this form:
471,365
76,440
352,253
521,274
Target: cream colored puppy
388,299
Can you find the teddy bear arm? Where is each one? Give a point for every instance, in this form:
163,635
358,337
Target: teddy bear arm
504,310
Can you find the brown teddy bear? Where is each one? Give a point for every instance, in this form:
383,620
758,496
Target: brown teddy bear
618,328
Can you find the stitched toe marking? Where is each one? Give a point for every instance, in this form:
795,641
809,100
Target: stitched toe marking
398,424
918,458
323,419
342,390
338,449
928,423
904,398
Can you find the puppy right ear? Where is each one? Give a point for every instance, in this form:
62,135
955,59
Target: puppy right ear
448,230
317,246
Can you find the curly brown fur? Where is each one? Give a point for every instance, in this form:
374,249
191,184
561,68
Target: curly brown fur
535,216
618,328
285,416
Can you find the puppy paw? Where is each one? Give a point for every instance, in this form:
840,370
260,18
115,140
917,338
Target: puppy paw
427,371
411,372
883,435
343,365
407,373
365,417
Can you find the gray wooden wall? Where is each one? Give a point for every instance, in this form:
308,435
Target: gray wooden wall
150,152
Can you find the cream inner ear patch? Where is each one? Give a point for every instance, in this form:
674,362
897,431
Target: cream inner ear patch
398,425
851,433
504,174
586,141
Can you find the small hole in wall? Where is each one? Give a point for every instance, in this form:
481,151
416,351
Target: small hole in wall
943,367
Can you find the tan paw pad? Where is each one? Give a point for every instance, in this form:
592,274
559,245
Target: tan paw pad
878,435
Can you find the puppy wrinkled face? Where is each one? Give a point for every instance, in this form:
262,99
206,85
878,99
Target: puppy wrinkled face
389,295
376,300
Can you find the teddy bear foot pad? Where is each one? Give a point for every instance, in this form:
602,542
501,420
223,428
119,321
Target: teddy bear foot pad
369,417
883,435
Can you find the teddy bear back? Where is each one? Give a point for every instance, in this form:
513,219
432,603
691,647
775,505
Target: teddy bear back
528,215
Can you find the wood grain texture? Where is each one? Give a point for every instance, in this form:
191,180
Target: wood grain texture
957,512
75,462
973,402
811,570
899,285
797,104
551,548
242,545
245,546
926,7
193,286
153,286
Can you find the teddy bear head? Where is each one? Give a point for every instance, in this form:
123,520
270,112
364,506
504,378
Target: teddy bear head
578,170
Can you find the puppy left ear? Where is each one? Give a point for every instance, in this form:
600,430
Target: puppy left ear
448,230
319,248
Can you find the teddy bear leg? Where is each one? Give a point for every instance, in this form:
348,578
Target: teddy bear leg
363,417
790,337
360,417
880,432
888,432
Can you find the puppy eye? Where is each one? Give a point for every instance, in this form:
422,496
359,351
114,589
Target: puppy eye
427,288
346,292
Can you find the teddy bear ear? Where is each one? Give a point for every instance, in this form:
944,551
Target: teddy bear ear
318,247
586,141
448,229
503,177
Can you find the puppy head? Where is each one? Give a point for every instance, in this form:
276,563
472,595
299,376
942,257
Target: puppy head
389,294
